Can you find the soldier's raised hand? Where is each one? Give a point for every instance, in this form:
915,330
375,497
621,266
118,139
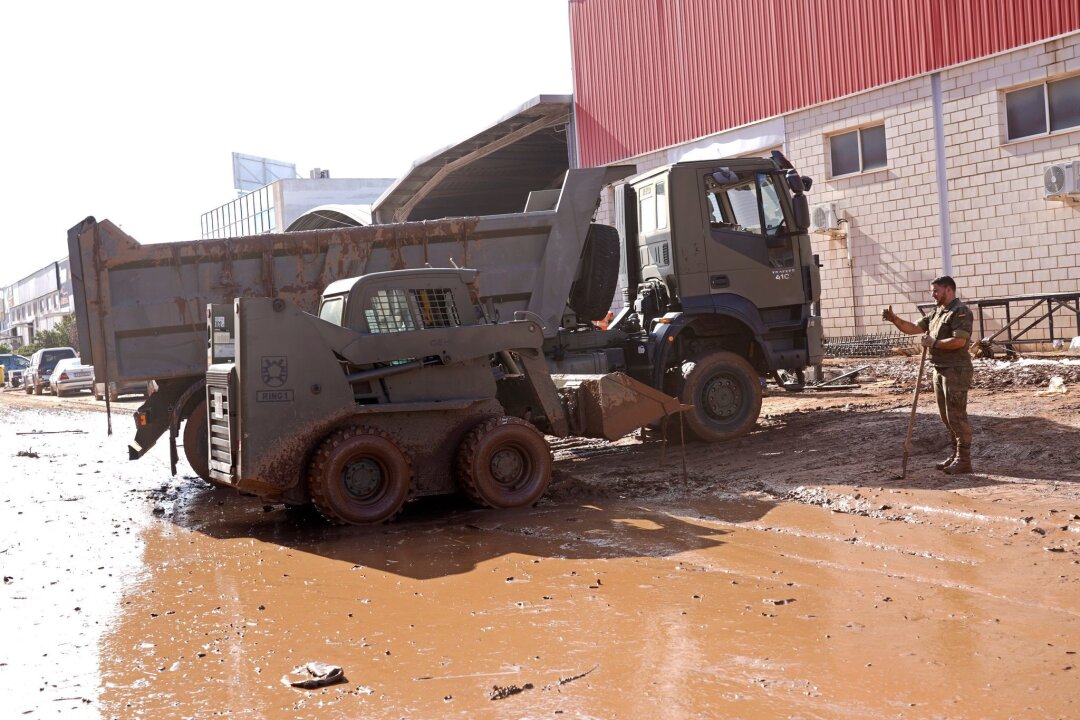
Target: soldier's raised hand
889,315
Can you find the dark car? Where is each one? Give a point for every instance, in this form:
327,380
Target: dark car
36,377
14,365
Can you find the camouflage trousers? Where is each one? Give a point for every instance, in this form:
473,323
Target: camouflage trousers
951,388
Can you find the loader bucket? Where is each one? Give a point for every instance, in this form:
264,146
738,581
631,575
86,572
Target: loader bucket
613,405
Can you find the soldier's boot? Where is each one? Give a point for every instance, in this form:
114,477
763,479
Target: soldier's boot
962,464
951,459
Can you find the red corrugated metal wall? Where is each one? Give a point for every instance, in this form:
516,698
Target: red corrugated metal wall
653,73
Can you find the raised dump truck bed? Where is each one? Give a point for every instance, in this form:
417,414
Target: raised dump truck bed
141,308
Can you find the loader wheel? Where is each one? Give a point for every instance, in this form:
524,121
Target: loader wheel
504,462
359,476
725,392
593,290
197,441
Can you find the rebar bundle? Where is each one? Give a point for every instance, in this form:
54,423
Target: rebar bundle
877,345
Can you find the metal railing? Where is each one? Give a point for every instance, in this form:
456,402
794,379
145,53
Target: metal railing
1029,319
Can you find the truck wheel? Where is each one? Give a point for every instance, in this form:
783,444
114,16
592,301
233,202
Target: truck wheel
359,476
38,389
725,392
594,288
27,389
504,462
197,442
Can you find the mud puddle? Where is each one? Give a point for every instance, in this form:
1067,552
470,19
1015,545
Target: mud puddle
790,574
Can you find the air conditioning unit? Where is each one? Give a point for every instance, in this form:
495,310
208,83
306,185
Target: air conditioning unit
824,219
320,174
1061,180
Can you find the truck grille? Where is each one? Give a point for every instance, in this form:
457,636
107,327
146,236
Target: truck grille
222,421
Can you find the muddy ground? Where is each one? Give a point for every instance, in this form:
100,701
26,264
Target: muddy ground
790,574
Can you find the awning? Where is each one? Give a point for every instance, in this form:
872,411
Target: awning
490,173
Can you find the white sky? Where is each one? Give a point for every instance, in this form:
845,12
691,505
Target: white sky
130,110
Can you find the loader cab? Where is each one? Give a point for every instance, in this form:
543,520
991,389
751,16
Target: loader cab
403,300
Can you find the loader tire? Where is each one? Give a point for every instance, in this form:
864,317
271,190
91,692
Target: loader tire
359,476
593,290
197,441
725,392
504,462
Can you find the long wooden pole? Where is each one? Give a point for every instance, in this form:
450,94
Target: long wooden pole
911,421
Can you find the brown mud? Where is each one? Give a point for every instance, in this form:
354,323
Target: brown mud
791,573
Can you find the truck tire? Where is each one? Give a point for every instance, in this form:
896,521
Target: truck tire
359,476
725,392
504,462
38,389
593,290
197,441
27,388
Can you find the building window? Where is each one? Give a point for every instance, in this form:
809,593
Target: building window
858,151
1042,108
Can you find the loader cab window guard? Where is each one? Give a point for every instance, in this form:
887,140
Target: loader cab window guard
388,311
435,307
391,310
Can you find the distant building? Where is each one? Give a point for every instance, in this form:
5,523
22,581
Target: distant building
37,302
276,206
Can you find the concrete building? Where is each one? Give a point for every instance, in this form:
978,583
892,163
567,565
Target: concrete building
35,303
275,207
934,131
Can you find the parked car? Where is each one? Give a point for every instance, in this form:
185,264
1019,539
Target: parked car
71,376
14,366
117,389
36,377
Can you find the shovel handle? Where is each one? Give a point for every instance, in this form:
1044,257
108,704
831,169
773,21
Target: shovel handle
911,420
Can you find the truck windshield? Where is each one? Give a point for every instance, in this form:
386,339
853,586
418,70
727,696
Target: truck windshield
331,310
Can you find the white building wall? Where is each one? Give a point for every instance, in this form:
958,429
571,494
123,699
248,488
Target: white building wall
892,211
1007,238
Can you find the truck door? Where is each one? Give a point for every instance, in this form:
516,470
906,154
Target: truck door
752,246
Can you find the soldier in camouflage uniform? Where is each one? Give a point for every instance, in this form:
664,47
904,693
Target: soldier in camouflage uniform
947,335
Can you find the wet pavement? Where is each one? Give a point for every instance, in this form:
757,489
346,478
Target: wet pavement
130,594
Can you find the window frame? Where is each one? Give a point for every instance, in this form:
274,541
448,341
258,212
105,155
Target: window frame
858,130
1045,86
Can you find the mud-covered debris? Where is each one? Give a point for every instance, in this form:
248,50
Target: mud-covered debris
28,454
567,680
314,675
501,692
778,601
1055,549
1055,386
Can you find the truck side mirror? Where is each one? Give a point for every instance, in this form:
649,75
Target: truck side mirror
798,184
802,212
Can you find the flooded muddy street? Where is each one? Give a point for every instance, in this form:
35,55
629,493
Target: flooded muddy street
788,574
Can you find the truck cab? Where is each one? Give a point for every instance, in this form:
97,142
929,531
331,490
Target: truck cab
722,275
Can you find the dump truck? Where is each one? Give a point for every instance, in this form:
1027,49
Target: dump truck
719,268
